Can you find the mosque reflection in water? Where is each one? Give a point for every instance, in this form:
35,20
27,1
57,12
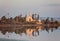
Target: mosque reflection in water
28,30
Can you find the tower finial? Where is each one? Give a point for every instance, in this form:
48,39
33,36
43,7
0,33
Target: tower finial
30,13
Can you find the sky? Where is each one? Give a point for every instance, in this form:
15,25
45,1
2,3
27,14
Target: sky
45,8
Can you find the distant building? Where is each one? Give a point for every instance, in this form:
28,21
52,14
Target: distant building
39,22
30,19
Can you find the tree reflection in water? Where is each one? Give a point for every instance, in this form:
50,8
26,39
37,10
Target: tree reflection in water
31,31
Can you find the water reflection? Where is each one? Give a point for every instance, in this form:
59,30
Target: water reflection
29,30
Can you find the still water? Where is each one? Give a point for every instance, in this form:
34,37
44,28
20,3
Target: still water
43,36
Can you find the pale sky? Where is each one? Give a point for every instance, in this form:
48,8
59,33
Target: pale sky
45,8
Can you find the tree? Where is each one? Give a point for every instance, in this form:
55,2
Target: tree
38,17
33,16
16,18
3,18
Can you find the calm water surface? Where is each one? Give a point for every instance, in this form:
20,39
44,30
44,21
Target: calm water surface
43,36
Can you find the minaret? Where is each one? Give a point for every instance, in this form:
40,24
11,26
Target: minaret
30,13
29,18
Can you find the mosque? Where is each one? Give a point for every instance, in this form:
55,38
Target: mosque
30,19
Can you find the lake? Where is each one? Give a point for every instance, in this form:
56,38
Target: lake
43,36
